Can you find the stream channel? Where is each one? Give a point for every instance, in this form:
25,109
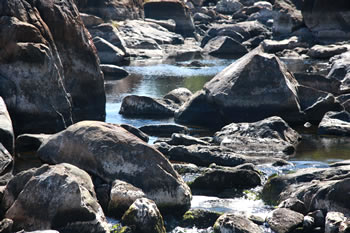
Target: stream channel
158,78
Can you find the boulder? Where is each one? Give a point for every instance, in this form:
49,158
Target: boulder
340,70
335,123
330,26
205,155
216,180
243,93
326,51
107,52
228,6
319,188
122,197
316,103
112,9
48,44
271,136
59,197
183,168
287,19
242,31
224,46
234,223
319,82
163,130
28,144
143,216
284,220
179,95
113,72
160,10
186,140
6,166
135,131
199,218
202,18
7,137
144,106
109,152
168,24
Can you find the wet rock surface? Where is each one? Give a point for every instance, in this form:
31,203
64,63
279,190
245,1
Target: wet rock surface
109,152
50,198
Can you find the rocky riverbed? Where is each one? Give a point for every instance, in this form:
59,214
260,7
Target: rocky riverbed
174,116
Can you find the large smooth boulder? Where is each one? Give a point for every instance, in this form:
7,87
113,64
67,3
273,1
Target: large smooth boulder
59,197
143,216
255,87
107,52
112,9
234,223
326,189
327,21
335,123
109,152
271,136
47,62
7,136
171,9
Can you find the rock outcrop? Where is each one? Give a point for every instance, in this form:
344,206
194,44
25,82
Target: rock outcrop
109,152
47,63
255,87
59,197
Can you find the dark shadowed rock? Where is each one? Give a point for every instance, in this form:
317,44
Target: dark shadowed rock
205,155
271,136
340,70
107,52
48,44
28,144
112,9
335,123
228,6
287,19
135,131
319,82
243,93
163,130
7,137
331,26
215,180
59,197
326,51
224,46
113,72
122,196
233,223
143,216
199,218
159,9
144,106
319,188
109,152
294,204
284,220
316,103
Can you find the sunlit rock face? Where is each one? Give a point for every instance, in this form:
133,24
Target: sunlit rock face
49,70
